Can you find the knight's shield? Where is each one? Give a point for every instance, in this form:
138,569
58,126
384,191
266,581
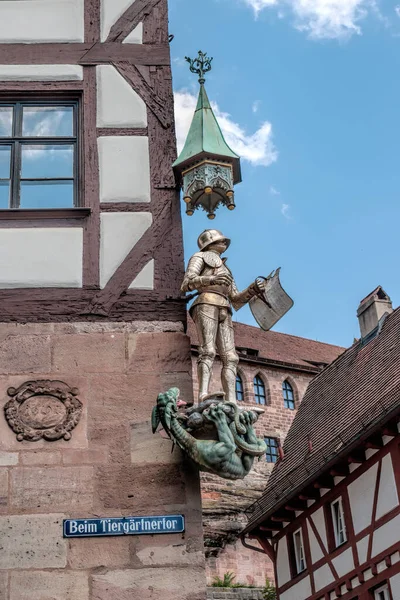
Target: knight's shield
273,304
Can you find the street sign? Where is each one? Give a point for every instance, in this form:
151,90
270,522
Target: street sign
73,528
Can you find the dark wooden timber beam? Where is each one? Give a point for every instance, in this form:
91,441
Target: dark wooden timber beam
357,457
326,481
130,19
391,430
309,494
374,442
282,516
84,54
270,527
295,505
340,471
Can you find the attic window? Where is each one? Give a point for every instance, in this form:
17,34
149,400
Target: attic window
248,351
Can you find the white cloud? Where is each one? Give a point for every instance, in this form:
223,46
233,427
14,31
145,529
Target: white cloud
273,191
257,148
397,10
332,19
258,5
285,210
255,106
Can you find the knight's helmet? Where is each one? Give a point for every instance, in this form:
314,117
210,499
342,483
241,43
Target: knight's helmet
210,236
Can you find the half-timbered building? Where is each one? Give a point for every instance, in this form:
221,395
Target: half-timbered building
330,515
92,326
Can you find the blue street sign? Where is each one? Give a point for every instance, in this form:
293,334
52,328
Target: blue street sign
123,526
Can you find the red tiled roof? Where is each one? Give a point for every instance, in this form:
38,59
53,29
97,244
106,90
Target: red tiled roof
279,347
357,392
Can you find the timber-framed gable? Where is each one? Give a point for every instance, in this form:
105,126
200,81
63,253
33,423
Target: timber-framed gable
131,244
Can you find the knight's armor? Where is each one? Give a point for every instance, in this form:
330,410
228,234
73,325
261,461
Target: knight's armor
212,312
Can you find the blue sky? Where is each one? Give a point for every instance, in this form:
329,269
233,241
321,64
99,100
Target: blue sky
309,93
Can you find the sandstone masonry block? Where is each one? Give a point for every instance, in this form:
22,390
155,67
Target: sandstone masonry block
123,398
175,555
3,586
3,491
25,354
149,448
165,352
147,488
54,488
40,458
93,456
8,459
150,584
43,585
32,542
88,553
96,353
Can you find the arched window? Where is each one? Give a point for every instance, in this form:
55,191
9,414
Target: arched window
239,388
288,395
259,390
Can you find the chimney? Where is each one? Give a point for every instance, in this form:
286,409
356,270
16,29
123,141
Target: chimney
371,310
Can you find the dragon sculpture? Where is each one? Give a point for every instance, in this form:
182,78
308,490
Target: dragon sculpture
231,454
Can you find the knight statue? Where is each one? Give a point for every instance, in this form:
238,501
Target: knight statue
215,433
216,294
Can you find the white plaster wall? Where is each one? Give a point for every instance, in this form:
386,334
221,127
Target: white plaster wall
145,279
322,577
41,21
362,549
361,493
120,232
111,10
40,72
299,591
395,585
135,36
386,536
319,522
282,562
344,562
48,257
315,548
124,169
387,495
118,105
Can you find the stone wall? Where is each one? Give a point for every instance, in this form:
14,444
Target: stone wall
214,593
224,502
111,466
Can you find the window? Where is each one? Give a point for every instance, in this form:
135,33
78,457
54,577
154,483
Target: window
382,593
299,551
259,390
239,388
339,528
38,154
271,454
288,395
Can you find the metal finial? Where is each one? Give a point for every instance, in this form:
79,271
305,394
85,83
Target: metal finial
200,65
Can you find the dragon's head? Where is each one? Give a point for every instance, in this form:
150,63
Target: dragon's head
167,405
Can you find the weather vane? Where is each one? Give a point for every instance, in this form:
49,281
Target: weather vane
200,65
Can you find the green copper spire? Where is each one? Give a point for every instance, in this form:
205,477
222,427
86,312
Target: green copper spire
205,138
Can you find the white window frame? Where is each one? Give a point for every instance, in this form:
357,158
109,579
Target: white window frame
339,526
384,589
299,553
